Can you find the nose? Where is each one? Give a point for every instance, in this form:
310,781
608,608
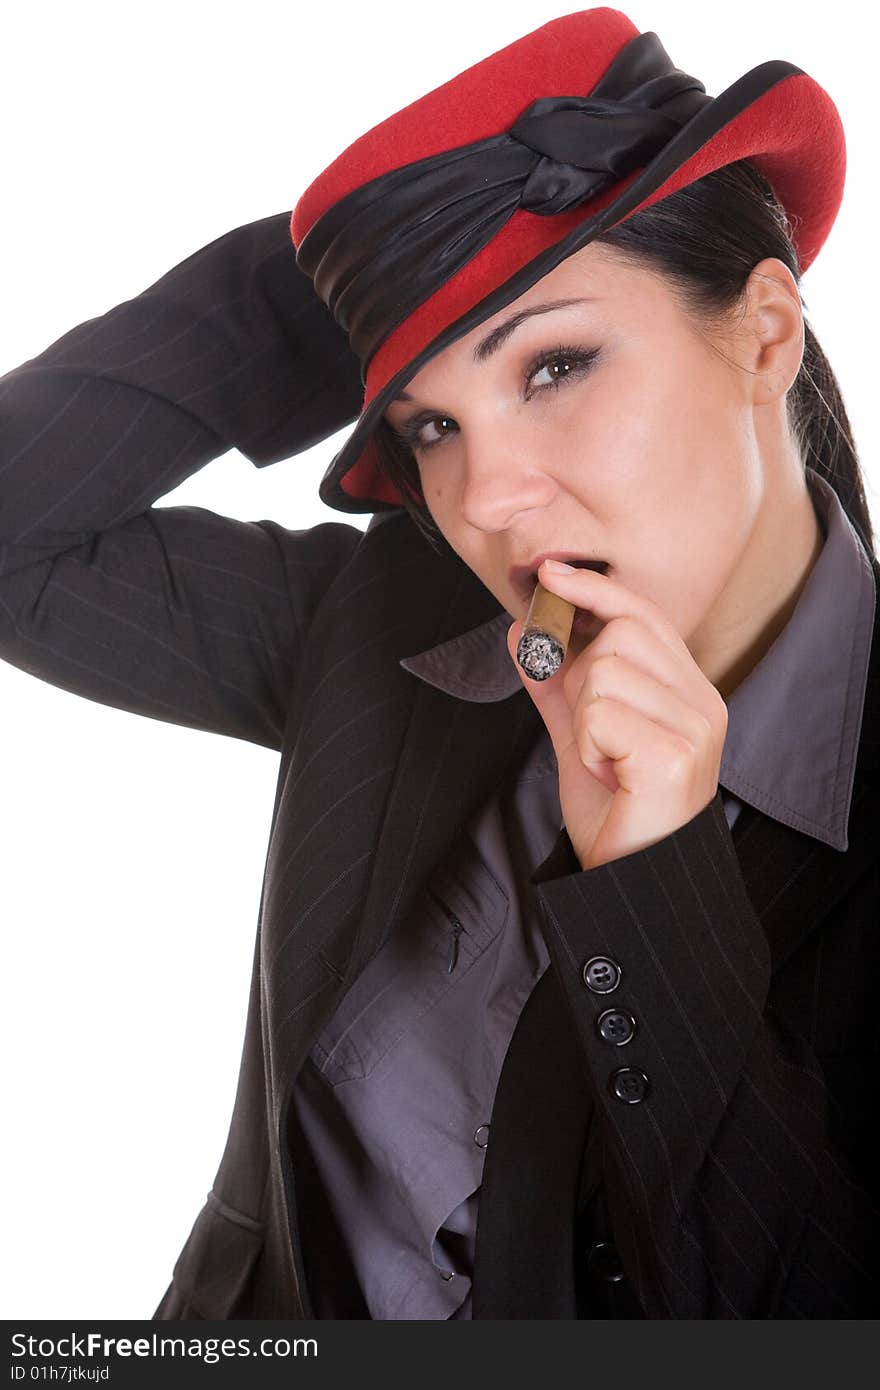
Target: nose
502,476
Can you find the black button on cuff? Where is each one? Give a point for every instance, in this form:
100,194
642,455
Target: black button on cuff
601,974
615,1026
629,1085
603,1262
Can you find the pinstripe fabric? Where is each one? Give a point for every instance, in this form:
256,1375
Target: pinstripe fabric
176,613
726,1197
740,1187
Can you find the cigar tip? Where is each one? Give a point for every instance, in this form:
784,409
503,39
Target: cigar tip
540,655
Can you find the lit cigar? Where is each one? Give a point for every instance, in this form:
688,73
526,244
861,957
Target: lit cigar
546,633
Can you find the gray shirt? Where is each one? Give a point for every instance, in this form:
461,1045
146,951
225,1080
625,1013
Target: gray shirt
396,1096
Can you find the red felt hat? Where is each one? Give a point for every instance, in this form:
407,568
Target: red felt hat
454,206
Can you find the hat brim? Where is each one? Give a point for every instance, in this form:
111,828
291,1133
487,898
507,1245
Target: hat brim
775,115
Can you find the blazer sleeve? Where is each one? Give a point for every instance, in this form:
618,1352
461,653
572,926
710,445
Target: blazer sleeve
728,1196
176,613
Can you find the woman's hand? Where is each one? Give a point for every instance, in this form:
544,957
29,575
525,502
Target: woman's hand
637,729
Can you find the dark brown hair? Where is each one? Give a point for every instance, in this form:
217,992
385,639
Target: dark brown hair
704,240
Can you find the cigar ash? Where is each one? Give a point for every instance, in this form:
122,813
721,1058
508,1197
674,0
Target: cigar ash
540,654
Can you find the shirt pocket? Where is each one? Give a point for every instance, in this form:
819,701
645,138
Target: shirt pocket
454,922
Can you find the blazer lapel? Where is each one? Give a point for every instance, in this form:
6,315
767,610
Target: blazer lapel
385,771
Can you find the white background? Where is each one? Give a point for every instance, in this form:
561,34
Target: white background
133,850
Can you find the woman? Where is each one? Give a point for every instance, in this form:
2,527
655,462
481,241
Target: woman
561,993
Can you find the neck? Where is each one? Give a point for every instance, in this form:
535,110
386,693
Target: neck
789,541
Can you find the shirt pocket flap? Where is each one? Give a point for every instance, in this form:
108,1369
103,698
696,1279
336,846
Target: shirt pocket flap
452,925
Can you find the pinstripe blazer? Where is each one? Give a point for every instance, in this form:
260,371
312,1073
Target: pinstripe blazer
749,1188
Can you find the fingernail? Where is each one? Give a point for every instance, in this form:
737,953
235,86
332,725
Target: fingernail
559,567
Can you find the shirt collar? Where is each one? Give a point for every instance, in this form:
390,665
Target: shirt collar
793,723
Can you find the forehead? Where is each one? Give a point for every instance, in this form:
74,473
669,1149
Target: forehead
593,278
591,273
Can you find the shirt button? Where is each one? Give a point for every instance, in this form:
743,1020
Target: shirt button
603,1262
481,1136
616,1027
601,974
629,1085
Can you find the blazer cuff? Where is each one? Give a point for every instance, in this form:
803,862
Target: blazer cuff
693,966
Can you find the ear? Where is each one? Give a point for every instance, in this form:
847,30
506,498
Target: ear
773,326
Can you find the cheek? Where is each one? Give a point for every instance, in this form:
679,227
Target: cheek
679,536
436,495
695,553
680,463
445,514
619,437
432,479
663,404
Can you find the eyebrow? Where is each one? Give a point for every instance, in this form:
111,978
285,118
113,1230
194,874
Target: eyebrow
494,340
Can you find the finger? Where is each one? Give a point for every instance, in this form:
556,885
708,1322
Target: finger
631,640
612,677
645,756
669,662
608,598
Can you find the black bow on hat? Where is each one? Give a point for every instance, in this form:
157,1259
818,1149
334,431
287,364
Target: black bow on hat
381,251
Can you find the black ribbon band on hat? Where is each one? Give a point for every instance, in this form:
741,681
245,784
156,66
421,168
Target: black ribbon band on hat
382,250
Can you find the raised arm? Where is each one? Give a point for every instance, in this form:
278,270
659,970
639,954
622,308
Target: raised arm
176,613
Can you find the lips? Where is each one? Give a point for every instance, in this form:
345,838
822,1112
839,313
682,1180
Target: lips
525,577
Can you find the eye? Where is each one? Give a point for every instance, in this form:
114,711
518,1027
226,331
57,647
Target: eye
412,434
562,364
559,366
439,423
554,378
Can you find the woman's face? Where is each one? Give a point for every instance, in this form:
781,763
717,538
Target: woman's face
603,425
